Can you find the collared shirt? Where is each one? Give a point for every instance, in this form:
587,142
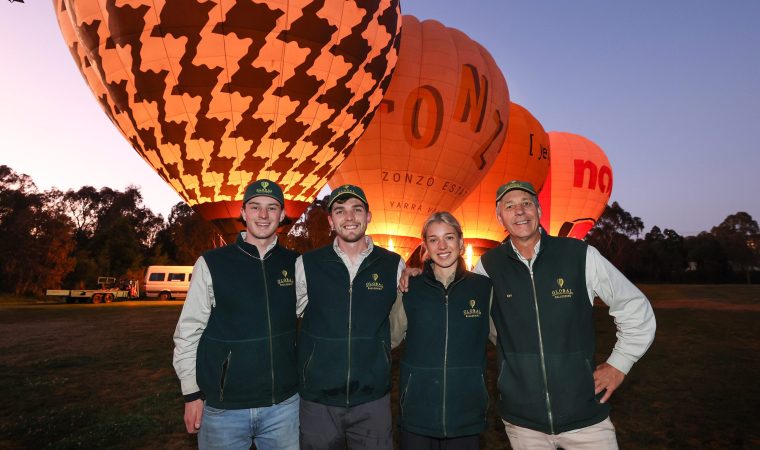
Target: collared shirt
193,320
634,317
302,293
526,261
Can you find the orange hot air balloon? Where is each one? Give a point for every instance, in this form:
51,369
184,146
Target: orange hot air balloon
524,156
214,95
439,129
578,186
88,71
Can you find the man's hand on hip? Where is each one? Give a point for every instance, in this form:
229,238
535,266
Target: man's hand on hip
607,378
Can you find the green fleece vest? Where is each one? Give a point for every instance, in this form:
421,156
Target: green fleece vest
246,355
442,382
344,343
546,337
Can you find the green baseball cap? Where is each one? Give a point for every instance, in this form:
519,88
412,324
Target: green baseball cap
265,188
347,190
512,185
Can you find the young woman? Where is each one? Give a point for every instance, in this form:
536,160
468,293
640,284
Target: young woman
444,317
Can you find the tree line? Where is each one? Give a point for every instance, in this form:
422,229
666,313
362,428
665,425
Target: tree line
53,239
728,253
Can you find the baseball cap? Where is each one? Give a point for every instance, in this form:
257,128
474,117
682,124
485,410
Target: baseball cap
512,185
266,188
347,190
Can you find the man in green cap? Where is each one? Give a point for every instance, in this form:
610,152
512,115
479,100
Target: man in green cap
235,340
550,394
345,293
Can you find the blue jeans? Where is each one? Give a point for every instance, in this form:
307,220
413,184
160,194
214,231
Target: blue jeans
271,428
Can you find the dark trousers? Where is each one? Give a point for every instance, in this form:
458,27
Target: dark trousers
411,441
361,427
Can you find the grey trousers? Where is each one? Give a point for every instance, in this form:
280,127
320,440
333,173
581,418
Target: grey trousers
361,427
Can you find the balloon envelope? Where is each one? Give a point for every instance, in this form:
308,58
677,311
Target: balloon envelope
214,95
442,122
578,186
524,156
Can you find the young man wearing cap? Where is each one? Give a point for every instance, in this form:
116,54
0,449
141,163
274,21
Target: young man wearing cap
544,288
235,340
345,293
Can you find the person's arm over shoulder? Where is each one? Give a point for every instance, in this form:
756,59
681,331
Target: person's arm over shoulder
634,317
302,293
397,316
493,335
398,320
192,321
400,271
479,269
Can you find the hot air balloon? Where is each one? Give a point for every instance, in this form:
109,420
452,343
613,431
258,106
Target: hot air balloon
438,130
524,156
578,186
88,71
214,95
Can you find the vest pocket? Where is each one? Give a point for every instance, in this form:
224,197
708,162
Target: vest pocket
234,371
422,401
571,383
285,366
404,391
223,376
370,368
322,367
521,386
466,397
305,369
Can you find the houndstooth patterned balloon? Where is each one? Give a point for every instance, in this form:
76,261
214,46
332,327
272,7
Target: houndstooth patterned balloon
216,94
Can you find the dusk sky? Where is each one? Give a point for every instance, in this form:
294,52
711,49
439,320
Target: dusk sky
669,89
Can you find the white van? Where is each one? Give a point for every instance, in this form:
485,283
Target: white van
167,282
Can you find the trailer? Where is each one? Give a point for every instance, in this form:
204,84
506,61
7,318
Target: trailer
108,292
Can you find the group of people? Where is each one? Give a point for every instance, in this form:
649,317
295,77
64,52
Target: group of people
250,373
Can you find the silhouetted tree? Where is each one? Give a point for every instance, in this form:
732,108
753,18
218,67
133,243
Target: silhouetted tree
82,207
311,231
36,239
659,257
613,235
115,233
708,257
184,238
739,235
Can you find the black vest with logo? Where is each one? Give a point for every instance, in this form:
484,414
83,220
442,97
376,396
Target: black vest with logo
442,382
246,355
546,337
344,343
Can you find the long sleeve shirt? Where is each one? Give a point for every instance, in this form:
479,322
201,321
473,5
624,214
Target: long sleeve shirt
192,321
632,312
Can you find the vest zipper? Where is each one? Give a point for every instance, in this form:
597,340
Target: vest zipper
269,323
350,305
541,351
445,360
446,290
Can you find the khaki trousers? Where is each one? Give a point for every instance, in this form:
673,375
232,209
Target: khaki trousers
596,437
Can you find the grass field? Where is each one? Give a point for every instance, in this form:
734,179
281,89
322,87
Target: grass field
100,376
